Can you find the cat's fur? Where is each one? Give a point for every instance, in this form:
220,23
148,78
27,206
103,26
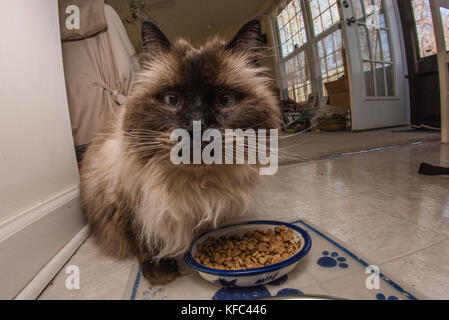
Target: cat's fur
136,201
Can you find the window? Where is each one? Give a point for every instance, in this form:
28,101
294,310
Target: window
291,28
424,28
292,36
331,59
297,74
306,28
324,14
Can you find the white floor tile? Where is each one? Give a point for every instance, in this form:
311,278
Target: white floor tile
375,202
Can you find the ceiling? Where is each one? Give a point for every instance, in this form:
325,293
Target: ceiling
193,19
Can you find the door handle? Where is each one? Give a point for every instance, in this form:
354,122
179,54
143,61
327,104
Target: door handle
350,21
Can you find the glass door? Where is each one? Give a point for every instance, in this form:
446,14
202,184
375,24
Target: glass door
375,60
421,50
440,15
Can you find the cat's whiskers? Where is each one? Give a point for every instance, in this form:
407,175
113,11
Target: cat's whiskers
253,148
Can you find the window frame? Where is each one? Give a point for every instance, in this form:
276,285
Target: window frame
372,60
310,48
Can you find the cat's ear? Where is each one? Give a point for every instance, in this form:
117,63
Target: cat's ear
248,38
153,39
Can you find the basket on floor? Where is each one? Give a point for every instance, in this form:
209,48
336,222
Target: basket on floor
333,124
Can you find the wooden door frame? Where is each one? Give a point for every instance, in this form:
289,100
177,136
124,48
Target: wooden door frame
443,66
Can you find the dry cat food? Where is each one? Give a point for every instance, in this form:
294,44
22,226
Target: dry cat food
251,250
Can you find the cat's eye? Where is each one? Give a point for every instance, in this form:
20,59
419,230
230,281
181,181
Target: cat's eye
226,100
172,100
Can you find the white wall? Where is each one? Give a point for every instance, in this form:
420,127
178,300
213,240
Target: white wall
38,172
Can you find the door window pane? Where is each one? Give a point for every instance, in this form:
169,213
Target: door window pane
445,18
368,10
390,80
369,78
375,44
364,46
424,28
358,9
380,80
385,45
375,47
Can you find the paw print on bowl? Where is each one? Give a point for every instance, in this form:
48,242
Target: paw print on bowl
226,283
331,260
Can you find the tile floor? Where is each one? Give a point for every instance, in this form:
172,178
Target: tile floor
330,268
311,145
375,202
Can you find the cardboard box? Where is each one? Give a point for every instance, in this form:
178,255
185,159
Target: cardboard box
339,86
340,99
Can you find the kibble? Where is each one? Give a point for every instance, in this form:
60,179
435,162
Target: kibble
250,250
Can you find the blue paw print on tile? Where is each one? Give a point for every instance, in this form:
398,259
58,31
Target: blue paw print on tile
236,293
330,260
288,291
154,293
381,296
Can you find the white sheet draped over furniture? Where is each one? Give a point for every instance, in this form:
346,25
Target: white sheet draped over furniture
99,71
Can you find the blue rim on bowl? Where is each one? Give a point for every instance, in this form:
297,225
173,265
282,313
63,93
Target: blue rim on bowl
188,258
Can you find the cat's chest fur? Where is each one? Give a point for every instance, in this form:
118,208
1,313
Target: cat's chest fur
170,203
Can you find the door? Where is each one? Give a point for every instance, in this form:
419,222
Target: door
421,53
376,71
440,17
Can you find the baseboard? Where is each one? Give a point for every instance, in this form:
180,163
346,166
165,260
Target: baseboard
35,243
43,278
36,212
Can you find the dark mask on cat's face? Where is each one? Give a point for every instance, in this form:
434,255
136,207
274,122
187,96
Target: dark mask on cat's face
220,84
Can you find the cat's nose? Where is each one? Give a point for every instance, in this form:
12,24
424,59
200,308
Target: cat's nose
194,111
196,116
190,128
196,103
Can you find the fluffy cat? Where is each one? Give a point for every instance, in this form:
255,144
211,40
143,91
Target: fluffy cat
137,202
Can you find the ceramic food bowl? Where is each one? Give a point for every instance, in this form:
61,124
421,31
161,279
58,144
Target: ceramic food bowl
249,277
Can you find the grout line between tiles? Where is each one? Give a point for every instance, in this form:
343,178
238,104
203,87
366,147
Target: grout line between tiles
318,284
357,151
413,252
396,216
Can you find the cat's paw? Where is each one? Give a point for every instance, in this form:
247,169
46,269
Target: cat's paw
161,273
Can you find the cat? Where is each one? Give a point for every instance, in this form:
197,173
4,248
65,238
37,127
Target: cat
137,202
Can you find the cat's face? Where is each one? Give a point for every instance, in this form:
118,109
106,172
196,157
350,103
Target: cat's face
219,84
